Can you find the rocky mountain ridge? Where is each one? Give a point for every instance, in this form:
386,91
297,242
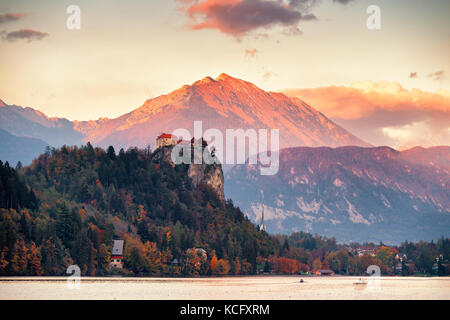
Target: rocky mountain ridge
359,194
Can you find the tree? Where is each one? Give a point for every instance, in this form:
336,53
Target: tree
104,258
385,255
222,267
367,260
405,269
424,260
317,264
19,261
111,153
3,261
344,259
55,258
441,268
193,262
134,255
34,260
236,266
153,258
335,263
19,166
68,225
214,264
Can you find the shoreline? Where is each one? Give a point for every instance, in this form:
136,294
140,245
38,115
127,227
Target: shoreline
200,278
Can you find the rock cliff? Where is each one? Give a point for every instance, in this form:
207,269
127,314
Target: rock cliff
203,173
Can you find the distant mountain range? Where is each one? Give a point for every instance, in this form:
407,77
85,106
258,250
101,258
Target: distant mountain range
352,193
330,181
14,149
222,103
31,123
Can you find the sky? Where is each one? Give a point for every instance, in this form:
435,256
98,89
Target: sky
128,51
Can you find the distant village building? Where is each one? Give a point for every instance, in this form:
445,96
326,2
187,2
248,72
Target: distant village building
365,250
201,253
117,254
324,272
166,139
400,256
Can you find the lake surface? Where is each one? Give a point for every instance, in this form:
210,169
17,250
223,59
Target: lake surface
232,288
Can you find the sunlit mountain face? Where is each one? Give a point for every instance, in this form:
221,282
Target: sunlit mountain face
221,103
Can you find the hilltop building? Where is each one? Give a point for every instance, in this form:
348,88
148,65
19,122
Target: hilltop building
166,139
117,254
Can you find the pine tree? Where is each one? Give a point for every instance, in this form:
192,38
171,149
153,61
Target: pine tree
19,166
111,153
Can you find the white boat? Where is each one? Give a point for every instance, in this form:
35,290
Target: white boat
360,281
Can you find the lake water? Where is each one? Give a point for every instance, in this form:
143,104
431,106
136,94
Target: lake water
230,288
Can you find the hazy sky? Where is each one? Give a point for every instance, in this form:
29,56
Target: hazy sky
128,51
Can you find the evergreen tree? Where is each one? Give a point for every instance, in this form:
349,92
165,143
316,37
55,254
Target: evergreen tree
111,153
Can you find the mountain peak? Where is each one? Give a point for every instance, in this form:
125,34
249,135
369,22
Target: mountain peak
2,103
235,83
224,77
207,80
222,103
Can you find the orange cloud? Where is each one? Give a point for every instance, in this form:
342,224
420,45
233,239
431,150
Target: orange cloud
384,113
8,17
239,17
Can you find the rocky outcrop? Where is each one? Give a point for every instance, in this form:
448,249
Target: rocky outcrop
200,174
208,174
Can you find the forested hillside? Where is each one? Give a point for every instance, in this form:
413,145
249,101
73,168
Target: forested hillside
68,206
88,196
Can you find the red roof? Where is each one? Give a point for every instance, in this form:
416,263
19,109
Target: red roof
166,136
366,248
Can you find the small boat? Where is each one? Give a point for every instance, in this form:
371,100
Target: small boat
360,281
301,281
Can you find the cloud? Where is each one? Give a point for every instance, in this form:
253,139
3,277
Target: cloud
303,5
24,34
344,2
413,134
240,17
251,53
8,17
268,75
438,75
384,113
413,75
